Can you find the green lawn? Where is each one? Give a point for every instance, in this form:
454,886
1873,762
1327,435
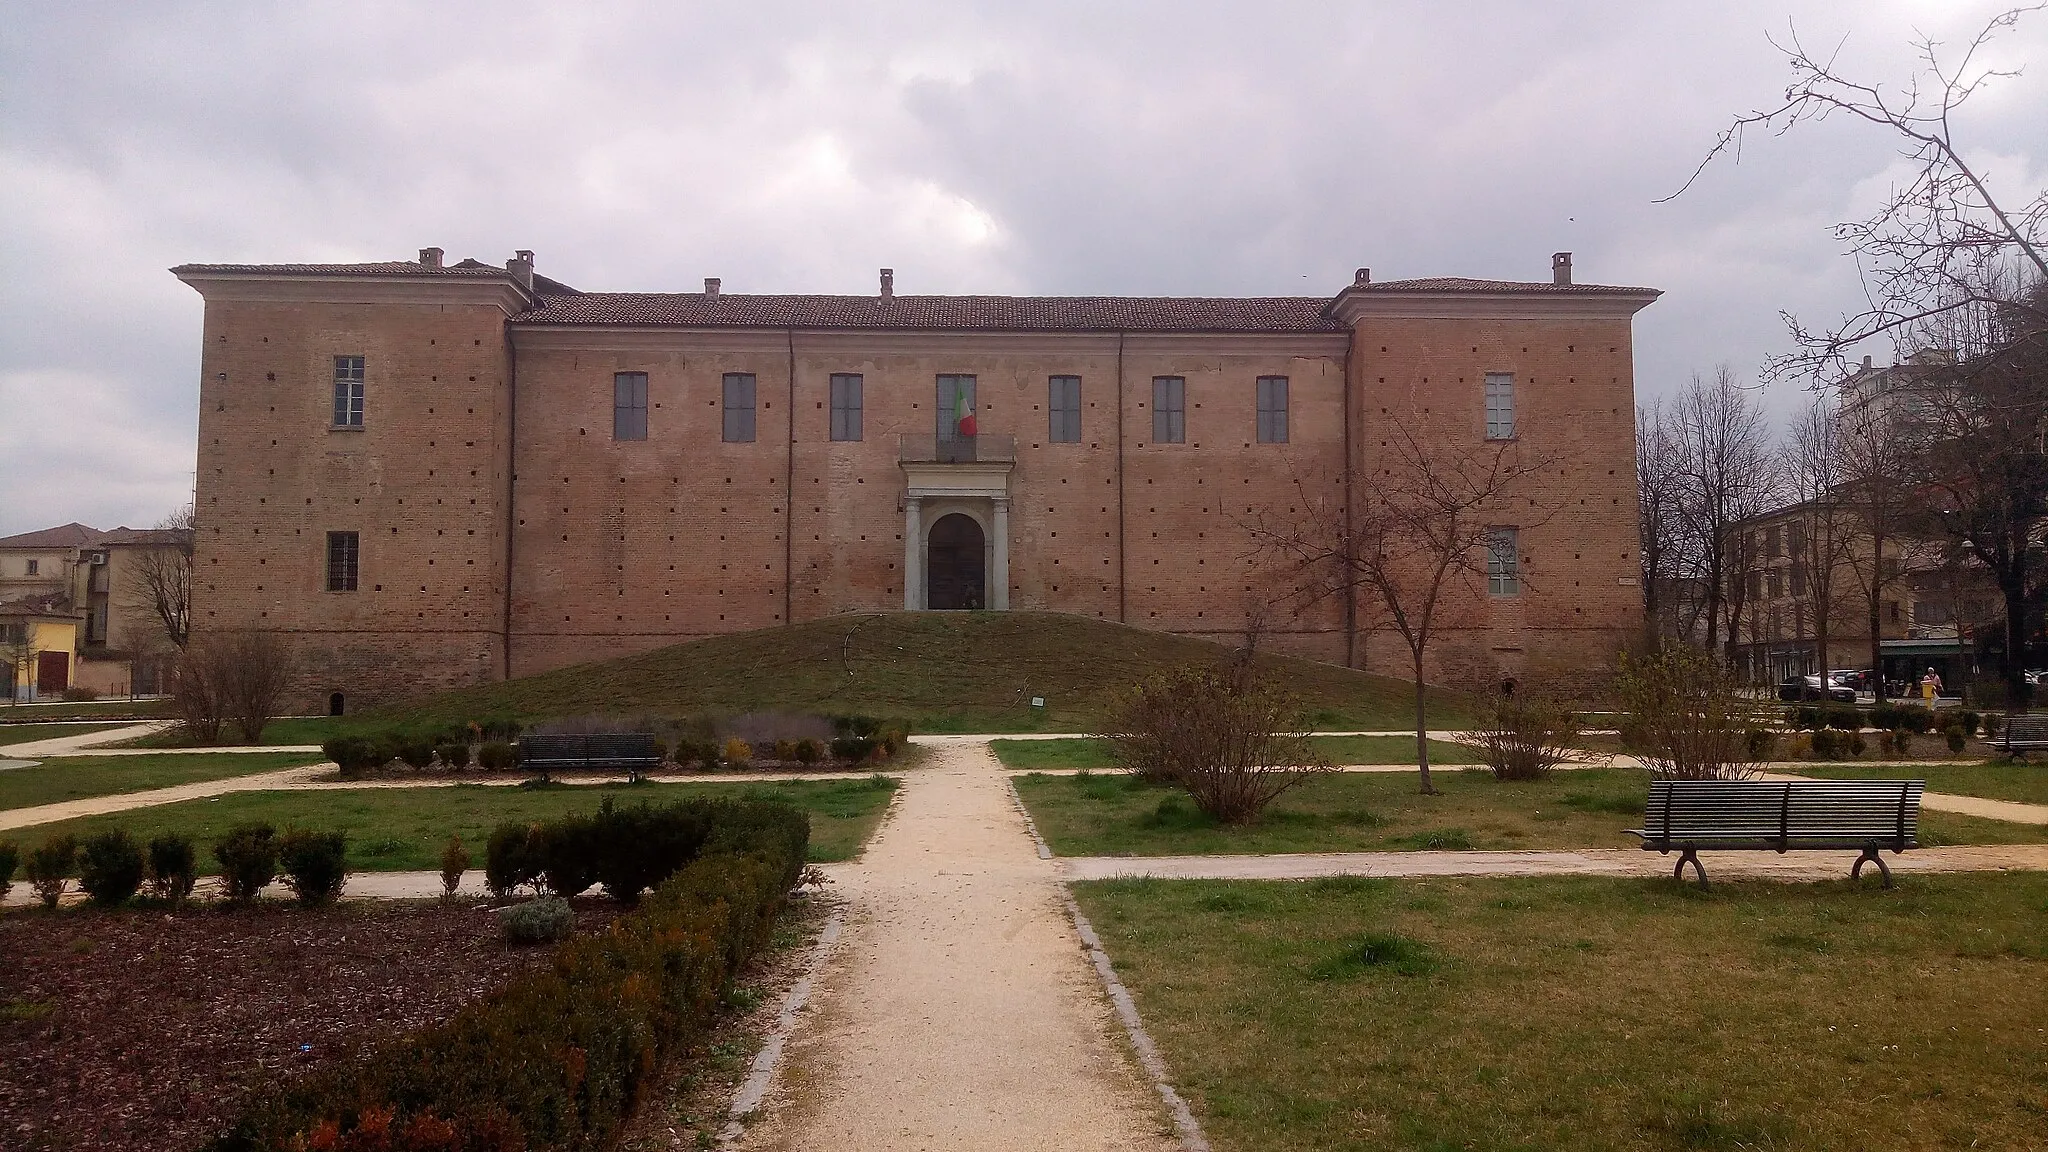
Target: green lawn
77,777
2026,783
404,829
28,733
942,671
285,730
89,710
1117,815
1037,755
1593,1014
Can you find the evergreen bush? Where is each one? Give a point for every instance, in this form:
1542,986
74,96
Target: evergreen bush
173,867
454,862
315,864
248,861
48,865
497,756
541,921
110,867
10,859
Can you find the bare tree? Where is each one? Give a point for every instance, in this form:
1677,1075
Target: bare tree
19,649
1435,516
1725,478
1824,528
238,676
165,570
1659,521
1984,460
1941,241
1877,452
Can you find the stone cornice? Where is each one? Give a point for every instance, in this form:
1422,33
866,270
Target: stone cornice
314,288
878,342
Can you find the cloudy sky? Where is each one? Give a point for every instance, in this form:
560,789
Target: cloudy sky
1052,147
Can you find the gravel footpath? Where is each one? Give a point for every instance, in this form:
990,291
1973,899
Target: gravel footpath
959,1011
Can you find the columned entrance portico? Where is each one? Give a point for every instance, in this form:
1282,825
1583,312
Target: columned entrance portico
949,508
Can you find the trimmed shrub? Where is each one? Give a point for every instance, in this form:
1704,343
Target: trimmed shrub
1827,745
498,730
315,864
110,867
173,867
1525,736
1956,739
1993,725
567,853
1856,744
455,756
542,921
852,749
557,1059
454,862
510,859
248,861
1804,718
785,750
497,756
1916,718
81,695
1763,745
1842,718
809,751
48,864
1969,721
416,753
10,859
354,755
736,753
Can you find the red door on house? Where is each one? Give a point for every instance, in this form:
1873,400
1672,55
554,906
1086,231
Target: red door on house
53,672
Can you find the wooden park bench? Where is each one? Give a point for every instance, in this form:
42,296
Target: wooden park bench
633,752
1690,816
2023,734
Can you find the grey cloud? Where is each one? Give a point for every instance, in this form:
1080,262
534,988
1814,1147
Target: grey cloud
1055,147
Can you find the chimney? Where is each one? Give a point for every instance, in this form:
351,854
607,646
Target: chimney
1866,363
1561,268
521,268
888,283
1362,277
430,257
711,287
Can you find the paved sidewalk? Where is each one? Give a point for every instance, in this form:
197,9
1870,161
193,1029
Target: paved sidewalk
1625,862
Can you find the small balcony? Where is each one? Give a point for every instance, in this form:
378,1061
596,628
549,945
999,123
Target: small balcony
989,448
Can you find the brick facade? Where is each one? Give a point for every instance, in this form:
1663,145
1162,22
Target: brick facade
488,412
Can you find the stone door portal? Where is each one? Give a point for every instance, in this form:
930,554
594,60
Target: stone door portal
955,564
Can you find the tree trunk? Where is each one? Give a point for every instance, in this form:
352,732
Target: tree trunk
2017,693
1876,624
1422,727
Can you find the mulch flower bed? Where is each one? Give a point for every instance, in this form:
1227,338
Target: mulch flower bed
144,1029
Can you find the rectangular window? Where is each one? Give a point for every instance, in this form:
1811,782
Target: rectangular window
739,408
629,405
1169,410
1500,406
1063,403
1891,611
34,567
955,402
845,403
1503,562
1272,401
1799,579
348,391
1773,542
342,551
1756,585
1775,583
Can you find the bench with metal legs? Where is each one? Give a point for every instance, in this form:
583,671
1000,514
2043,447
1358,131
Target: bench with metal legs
1691,816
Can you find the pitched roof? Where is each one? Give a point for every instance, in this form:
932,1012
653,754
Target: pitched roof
38,604
1517,287
72,535
467,268
945,313
146,537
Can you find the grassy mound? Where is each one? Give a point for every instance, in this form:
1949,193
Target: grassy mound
944,672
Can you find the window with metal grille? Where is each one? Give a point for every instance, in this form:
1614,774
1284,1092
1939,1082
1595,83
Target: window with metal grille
1503,562
629,405
342,551
739,408
1063,407
34,567
348,391
845,403
1272,402
1169,410
1500,406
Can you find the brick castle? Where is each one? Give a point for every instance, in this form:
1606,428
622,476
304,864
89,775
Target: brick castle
436,475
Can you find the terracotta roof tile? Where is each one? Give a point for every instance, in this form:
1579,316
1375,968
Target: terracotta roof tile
73,535
942,313
1464,284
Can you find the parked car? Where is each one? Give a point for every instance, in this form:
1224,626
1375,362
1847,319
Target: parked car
1795,689
1856,679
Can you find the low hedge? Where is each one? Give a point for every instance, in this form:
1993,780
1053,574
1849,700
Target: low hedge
558,1058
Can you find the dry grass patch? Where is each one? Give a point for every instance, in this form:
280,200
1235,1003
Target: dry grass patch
1590,1014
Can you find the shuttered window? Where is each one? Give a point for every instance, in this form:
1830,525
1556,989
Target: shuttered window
1169,410
739,408
1063,405
845,403
629,406
1272,402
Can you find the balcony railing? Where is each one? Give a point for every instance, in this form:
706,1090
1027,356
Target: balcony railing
914,448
